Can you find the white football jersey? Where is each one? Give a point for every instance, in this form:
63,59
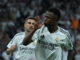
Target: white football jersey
49,45
26,52
22,52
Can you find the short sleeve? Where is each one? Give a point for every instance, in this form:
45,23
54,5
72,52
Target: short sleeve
12,42
68,45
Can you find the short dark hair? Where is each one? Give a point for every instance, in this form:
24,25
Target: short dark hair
33,18
55,11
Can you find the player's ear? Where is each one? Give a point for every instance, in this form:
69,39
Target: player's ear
24,25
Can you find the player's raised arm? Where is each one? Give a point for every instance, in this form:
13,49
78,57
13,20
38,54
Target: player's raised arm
27,39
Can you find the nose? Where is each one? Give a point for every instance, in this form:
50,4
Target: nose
32,25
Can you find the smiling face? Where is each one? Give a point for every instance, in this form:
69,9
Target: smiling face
50,19
29,24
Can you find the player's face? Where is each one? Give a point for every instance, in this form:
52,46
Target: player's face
50,19
29,25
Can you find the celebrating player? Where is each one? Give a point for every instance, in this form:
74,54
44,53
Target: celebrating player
23,52
51,39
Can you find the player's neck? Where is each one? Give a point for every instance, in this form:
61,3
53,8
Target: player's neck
26,32
52,29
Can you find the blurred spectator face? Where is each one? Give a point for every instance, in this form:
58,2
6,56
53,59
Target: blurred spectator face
29,24
50,19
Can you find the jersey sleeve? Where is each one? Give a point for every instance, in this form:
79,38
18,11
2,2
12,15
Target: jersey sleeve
68,45
12,42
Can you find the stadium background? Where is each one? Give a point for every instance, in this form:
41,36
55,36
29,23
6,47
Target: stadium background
14,12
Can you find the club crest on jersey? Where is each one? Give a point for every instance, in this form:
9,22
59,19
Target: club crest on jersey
57,39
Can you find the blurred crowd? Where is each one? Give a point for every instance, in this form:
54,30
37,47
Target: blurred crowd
14,12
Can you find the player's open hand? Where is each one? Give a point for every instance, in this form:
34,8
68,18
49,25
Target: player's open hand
38,24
